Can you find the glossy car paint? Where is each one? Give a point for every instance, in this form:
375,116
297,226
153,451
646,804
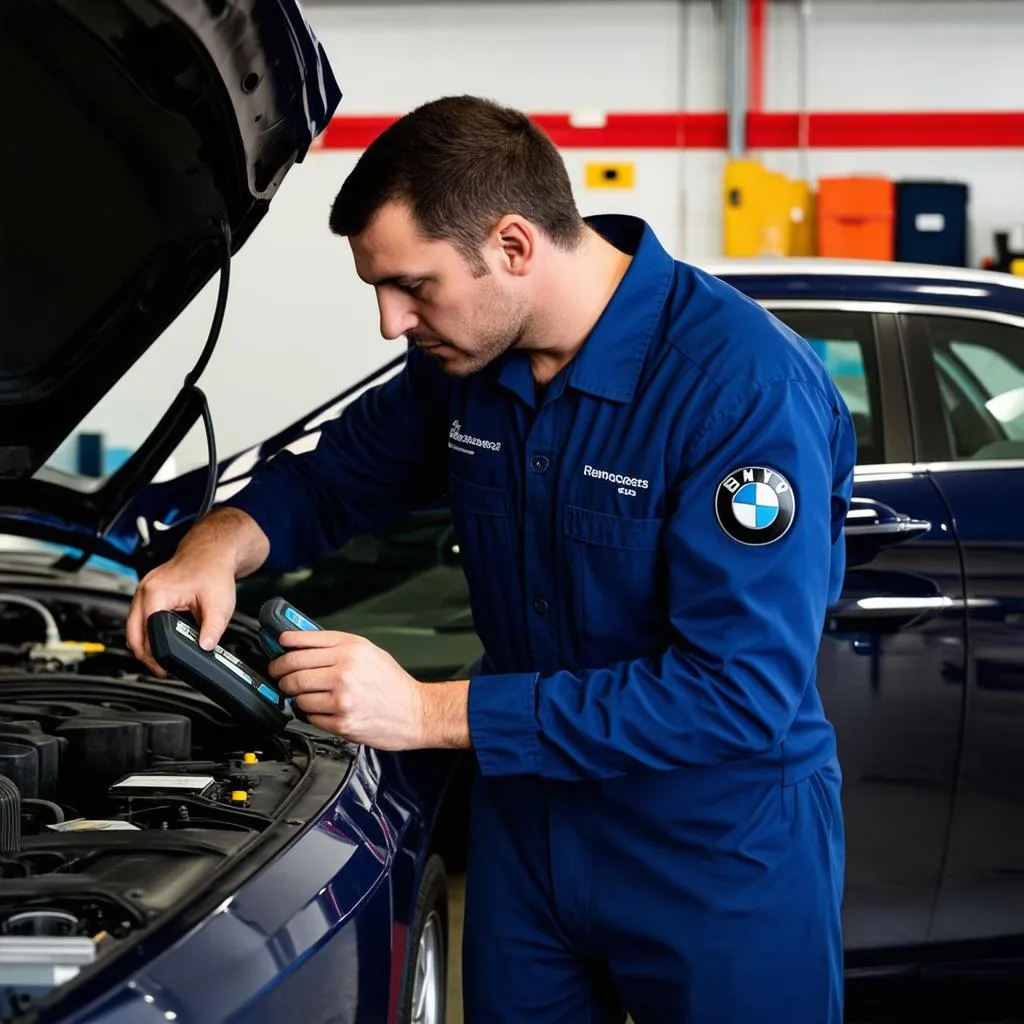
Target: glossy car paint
891,678
931,726
931,733
842,281
982,896
317,934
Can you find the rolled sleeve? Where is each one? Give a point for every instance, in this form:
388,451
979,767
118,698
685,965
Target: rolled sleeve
503,723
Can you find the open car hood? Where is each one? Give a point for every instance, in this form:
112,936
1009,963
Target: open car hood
146,140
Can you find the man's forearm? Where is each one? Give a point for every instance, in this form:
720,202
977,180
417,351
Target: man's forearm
446,715
229,533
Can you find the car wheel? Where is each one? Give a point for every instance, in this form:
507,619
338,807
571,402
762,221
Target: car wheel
424,997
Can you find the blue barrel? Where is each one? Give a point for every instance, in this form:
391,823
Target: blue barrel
931,222
90,454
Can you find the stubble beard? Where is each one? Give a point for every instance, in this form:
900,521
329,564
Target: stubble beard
504,331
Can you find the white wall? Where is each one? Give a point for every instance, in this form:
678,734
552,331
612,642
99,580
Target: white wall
907,55
899,55
300,326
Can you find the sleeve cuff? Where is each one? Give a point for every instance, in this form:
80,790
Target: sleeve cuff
503,723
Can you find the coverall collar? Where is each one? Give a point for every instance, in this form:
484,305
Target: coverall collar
608,364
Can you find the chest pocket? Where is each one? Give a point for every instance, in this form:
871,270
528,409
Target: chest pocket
619,587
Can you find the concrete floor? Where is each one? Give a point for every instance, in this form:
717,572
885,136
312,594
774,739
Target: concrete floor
456,908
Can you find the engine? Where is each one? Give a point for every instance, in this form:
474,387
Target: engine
119,792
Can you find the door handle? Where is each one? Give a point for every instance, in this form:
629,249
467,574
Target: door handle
872,526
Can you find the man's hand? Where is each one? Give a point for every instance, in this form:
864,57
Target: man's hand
205,587
349,686
200,579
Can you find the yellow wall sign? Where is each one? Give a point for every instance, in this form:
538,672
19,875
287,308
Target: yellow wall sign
610,175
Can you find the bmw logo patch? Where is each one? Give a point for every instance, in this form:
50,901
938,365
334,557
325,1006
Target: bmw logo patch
755,505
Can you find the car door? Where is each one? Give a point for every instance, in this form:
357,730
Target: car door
968,373
891,663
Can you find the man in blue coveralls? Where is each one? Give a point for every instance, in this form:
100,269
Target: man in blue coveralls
648,476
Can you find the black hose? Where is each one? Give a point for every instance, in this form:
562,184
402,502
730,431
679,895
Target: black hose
211,448
222,302
54,810
204,358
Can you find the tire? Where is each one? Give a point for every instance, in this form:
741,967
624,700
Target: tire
425,990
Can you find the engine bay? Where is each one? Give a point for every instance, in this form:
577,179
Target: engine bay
121,794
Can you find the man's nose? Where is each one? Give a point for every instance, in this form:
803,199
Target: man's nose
396,318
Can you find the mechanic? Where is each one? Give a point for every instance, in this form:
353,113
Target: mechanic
648,476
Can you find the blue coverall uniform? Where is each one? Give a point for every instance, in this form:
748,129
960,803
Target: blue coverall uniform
650,543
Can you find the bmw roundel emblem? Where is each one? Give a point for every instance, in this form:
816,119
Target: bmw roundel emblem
755,505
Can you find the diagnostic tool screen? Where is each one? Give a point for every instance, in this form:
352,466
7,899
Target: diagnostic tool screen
227,659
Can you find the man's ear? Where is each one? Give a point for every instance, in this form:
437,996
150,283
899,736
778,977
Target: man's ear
516,240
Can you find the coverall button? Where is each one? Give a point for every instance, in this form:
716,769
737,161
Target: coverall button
540,606
539,463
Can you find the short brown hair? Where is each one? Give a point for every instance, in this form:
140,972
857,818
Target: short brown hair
462,163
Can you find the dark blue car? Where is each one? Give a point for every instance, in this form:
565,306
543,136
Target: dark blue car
922,660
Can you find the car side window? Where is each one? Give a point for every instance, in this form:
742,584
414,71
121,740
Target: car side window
979,366
845,343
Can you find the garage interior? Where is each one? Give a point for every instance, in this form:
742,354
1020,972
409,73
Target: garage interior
808,133
714,121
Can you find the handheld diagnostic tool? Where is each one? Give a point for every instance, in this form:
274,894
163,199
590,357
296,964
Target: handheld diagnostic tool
217,674
277,616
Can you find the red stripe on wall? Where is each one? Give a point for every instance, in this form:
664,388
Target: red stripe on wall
353,132
889,130
701,130
765,130
640,131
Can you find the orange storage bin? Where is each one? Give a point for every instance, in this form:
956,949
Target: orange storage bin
856,218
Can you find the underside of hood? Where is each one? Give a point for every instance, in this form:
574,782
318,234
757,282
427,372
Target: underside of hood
139,135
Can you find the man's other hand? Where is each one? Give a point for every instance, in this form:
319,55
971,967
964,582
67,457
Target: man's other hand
349,686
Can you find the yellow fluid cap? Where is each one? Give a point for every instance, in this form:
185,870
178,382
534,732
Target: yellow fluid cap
239,796
250,758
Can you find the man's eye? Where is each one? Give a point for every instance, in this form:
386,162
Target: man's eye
413,287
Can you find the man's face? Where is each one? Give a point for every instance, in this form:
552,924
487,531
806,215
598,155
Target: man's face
427,292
